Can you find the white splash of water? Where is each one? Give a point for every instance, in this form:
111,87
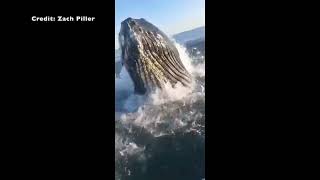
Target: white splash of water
161,113
186,60
125,147
195,70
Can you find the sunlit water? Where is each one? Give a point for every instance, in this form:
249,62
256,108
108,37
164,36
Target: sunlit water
161,136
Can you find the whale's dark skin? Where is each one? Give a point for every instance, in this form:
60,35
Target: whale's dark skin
149,56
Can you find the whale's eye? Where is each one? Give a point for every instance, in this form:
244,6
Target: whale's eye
140,29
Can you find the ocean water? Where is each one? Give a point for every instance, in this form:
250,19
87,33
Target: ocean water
161,136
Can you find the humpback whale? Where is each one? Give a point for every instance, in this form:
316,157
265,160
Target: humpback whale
149,56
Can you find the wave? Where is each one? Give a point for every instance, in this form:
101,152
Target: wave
144,125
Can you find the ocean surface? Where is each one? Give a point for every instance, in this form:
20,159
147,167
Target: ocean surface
161,136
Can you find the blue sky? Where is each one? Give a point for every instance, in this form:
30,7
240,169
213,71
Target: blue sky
171,16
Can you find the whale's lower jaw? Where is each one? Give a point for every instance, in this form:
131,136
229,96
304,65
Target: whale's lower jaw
150,58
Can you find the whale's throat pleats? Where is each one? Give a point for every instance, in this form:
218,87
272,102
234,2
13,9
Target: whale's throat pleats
152,60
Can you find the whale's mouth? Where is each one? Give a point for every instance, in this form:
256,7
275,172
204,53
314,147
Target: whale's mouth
150,57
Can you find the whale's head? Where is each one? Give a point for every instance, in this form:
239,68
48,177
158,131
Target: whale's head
132,31
149,56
